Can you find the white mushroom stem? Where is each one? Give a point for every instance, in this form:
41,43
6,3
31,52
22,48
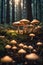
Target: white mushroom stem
31,38
18,29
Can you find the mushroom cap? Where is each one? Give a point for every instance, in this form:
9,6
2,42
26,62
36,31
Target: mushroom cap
21,51
2,37
21,45
14,47
32,35
32,56
13,41
39,27
34,50
6,59
25,46
39,43
30,47
35,21
18,23
24,21
7,46
31,26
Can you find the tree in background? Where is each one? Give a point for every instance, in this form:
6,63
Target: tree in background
29,9
8,12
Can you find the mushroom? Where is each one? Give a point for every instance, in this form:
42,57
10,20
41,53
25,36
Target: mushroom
35,21
14,48
13,42
32,56
2,37
25,46
21,54
6,59
18,23
7,46
39,43
30,28
21,45
37,29
32,35
26,22
34,51
30,47
21,51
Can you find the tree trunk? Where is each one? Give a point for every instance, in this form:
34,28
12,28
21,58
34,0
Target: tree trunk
13,12
8,13
29,10
2,12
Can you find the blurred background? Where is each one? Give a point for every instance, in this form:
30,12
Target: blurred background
14,10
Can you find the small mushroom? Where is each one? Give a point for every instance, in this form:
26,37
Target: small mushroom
13,42
21,51
30,47
32,35
7,46
39,43
21,45
14,48
25,46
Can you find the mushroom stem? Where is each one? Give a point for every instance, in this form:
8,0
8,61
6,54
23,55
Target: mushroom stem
7,63
18,29
31,38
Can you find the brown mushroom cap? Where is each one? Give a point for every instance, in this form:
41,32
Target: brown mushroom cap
14,47
13,41
32,56
34,50
21,45
25,46
32,35
21,51
6,59
18,23
2,37
30,47
7,46
39,43
25,21
35,21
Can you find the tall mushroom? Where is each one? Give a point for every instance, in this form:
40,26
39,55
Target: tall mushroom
18,24
26,22
13,42
21,53
35,22
8,48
